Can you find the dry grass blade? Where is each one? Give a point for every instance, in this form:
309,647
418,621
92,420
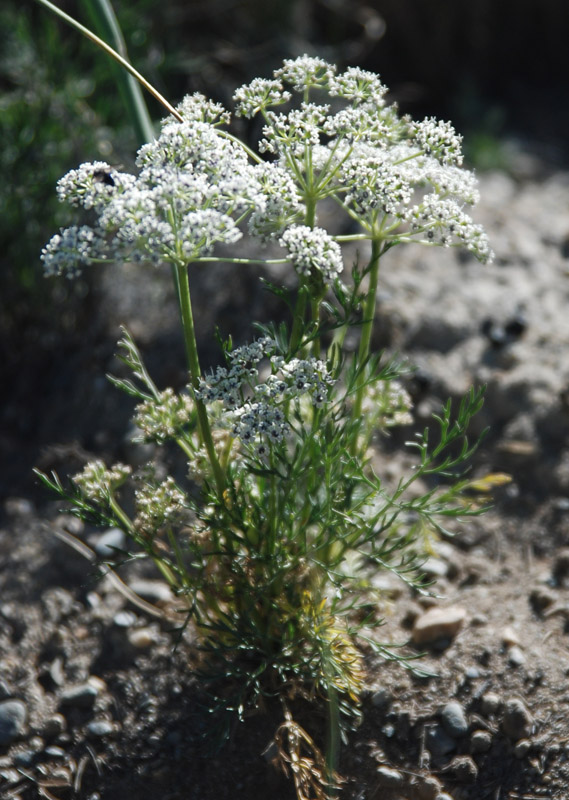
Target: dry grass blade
298,754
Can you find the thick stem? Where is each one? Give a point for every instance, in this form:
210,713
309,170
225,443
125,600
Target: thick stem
367,326
184,299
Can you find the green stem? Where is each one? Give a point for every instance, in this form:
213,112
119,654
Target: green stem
367,326
113,53
126,522
183,287
315,314
298,318
106,24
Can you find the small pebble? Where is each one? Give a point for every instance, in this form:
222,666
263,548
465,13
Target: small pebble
99,728
522,748
480,741
510,637
439,742
18,507
25,758
454,720
390,778
490,703
156,592
435,568
517,720
142,638
426,788
110,542
69,523
541,598
560,568
516,657
13,718
82,696
54,726
438,623
472,673
464,769
125,619
381,698
55,752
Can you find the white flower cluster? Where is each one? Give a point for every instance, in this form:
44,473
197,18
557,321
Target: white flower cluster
157,506
196,185
297,377
259,95
261,420
440,221
257,424
313,252
439,139
98,483
376,185
193,188
278,203
163,419
306,72
378,164
358,85
227,384
70,250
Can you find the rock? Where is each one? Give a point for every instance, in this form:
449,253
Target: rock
142,638
54,726
125,619
522,748
464,769
55,752
18,507
438,623
517,720
453,720
541,598
390,778
426,788
516,657
439,742
382,698
99,728
510,637
480,741
156,592
110,542
13,718
82,696
560,567
69,523
490,703
435,568
472,673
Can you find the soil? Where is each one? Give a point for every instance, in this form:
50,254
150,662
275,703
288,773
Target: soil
101,688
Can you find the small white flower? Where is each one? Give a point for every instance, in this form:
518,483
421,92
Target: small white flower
306,72
313,250
259,95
